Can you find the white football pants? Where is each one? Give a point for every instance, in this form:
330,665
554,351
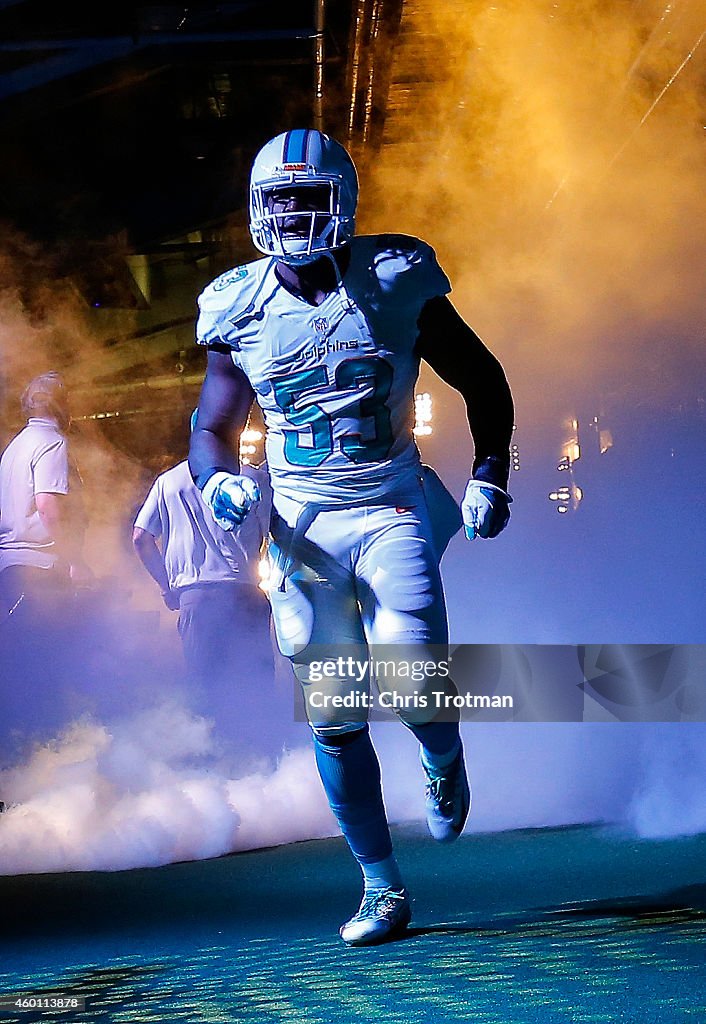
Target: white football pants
348,578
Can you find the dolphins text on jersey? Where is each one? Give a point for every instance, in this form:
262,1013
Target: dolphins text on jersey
335,381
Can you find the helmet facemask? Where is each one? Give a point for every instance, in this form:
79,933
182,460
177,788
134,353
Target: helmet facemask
299,236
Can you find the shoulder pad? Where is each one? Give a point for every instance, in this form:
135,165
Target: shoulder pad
223,299
406,266
407,250
400,243
230,277
231,288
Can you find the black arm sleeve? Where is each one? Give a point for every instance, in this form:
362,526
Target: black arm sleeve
460,358
224,404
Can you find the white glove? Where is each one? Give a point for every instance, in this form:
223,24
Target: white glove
485,509
230,498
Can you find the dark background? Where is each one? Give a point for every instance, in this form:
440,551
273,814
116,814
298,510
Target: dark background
128,135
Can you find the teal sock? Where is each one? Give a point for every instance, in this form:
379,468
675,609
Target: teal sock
383,874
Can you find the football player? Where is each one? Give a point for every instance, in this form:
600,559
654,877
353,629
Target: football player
326,332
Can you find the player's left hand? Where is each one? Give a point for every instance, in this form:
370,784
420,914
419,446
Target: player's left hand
485,509
230,497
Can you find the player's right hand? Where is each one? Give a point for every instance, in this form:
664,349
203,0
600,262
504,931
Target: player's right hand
230,498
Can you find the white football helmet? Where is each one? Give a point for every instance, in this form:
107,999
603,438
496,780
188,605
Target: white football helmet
303,158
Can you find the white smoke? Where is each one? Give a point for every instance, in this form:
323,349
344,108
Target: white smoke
670,799
150,790
647,778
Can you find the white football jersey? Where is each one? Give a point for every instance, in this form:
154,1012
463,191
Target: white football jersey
335,381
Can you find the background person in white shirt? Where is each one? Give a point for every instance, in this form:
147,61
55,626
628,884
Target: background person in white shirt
42,526
42,521
211,578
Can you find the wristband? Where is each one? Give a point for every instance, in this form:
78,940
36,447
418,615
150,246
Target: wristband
493,469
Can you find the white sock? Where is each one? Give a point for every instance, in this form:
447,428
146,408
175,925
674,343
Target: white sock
438,762
383,874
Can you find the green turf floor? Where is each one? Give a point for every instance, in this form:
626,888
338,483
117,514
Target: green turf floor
529,927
